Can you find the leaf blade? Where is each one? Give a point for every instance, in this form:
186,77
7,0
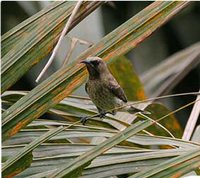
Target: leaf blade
60,84
27,149
89,156
33,42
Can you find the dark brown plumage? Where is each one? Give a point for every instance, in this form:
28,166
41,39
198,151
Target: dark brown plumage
102,88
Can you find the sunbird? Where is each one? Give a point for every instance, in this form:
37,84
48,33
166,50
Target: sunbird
103,89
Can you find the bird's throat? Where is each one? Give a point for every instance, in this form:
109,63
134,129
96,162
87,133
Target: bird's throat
93,73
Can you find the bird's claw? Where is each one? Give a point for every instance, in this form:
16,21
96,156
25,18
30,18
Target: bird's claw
102,115
84,120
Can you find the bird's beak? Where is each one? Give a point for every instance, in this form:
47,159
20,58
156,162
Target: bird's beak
85,62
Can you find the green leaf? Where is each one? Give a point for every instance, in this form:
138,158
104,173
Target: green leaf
106,145
75,106
162,78
181,169
54,155
31,41
27,135
77,172
72,107
23,30
66,80
167,164
123,71
25,152
18,166
158,111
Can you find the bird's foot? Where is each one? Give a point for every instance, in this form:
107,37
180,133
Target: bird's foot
84,120
112,112
102,115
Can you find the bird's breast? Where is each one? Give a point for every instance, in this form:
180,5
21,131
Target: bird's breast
101,96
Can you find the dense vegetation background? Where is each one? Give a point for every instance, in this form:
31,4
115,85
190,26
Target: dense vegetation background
154,52
177,34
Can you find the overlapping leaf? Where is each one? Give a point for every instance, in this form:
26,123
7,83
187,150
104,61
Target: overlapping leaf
74,107
187,158
24,157
29,42
54,154
64,81
171,70
67,154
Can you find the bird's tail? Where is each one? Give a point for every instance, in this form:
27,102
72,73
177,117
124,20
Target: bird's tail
127,107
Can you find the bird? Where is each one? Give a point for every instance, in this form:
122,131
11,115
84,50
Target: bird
103,89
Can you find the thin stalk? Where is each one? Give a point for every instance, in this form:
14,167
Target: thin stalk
60,40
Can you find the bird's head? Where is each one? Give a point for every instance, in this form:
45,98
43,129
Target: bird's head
95,66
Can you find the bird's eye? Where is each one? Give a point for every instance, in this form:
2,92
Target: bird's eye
95,63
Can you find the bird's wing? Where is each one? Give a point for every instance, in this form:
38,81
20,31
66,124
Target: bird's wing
115,88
